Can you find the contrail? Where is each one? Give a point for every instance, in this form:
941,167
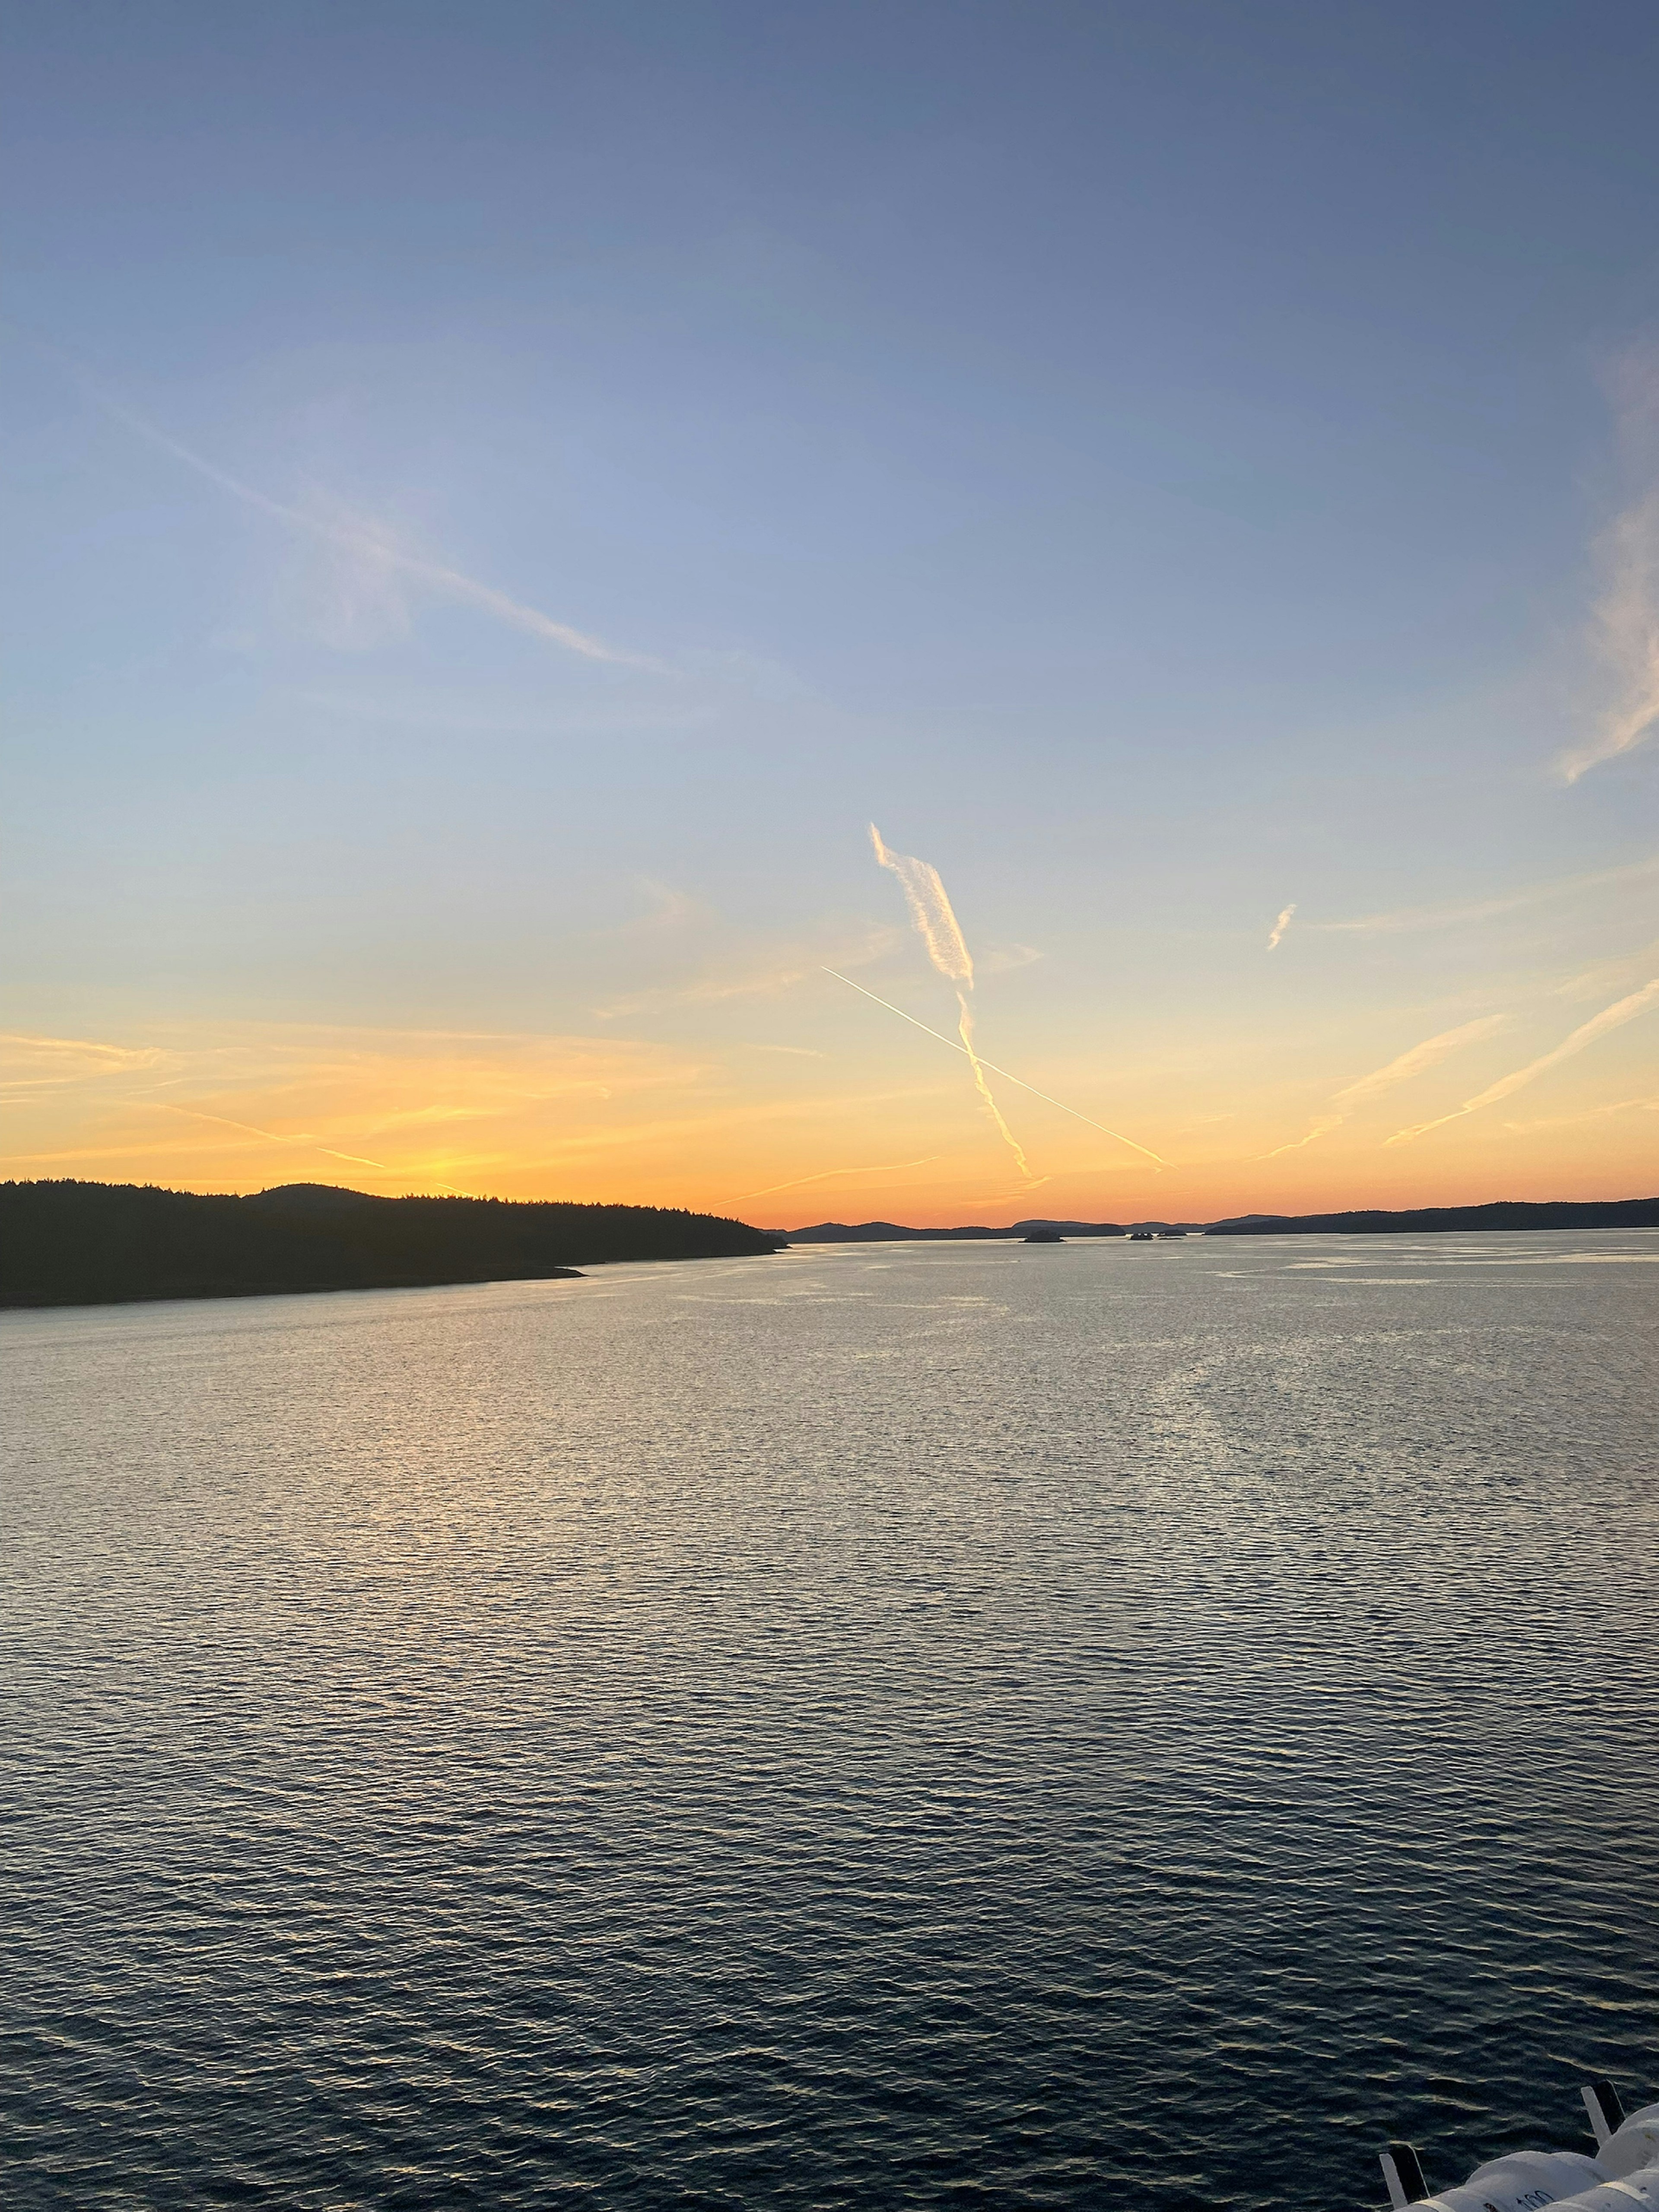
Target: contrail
965,1028
1117,1134
1624,620
935,920
1448,917
120,1055
828,1174
364,541
931,911
1321,1129
1280,927
307,1143
1591,1113
1626,627
1417,1061
1610,1018
1414,1062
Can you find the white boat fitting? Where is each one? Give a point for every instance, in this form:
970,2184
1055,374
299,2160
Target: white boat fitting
1624,2172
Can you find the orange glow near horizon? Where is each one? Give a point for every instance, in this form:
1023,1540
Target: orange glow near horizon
784,1135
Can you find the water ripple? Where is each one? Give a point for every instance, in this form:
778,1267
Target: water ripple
1105,1726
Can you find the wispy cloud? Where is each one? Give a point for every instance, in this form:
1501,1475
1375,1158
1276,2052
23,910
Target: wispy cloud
1321,1128
832,1175
1448,917
71,1059
271,1093
671,909
1650,1105
34,1068
305,1144
1625,621
1606,975
763,979
1610,1018
1007,959
1279,927
1417,1061
931,911
1627,624
380,561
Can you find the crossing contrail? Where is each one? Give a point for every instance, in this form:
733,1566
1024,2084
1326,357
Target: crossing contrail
1117,1135
940,931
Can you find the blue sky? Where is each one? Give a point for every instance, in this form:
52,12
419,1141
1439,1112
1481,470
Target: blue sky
1161,464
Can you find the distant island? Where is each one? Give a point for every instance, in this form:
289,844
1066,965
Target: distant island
1506,1213
90,1243
893,1232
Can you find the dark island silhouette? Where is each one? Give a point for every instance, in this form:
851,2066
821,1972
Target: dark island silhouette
1506,1213
1502,1213
90,1243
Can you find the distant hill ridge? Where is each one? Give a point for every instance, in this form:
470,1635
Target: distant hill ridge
871,1233
1504,1213
88,1243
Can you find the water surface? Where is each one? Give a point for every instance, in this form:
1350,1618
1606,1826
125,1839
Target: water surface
1106,1725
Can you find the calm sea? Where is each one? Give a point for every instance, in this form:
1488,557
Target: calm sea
1113,1725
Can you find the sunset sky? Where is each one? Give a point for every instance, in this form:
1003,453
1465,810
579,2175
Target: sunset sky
503,497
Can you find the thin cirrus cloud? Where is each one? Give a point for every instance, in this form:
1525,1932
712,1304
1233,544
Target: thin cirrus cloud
832,1175
1610,1018
1624,621
243,1098
1417,1061
1650,1105
365,601
715,986
52,1060
1448,917
304,1142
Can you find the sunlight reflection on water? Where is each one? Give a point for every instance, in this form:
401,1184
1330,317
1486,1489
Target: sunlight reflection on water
1048,1727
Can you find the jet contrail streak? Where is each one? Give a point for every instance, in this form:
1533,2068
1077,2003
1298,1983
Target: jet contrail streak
1610,1018
1320,1129
941,933
1421,1058
363,540
1116,1134
931,911
1279,927
1627,620
307,1143
827,1175
965,1031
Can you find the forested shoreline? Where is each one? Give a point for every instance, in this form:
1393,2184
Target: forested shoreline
88,1243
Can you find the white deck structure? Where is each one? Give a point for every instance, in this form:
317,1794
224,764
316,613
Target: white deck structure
1624,2172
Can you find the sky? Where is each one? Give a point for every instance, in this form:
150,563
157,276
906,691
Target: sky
503,498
